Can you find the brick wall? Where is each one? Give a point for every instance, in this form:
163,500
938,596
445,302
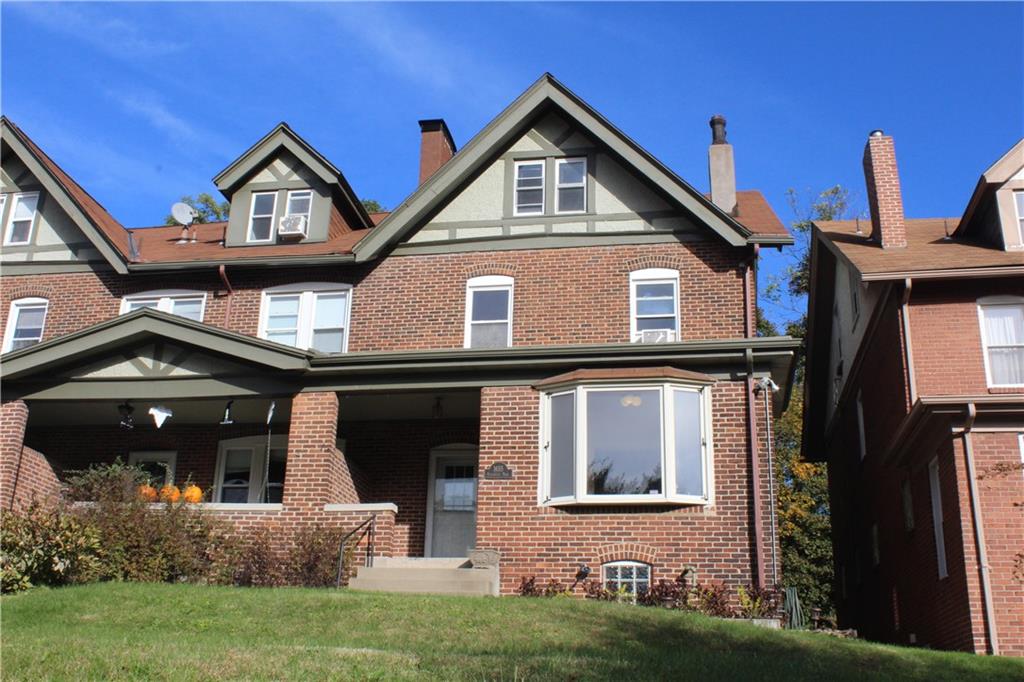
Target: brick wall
562,296
25,474
549,542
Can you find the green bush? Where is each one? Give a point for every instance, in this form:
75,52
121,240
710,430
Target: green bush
41,546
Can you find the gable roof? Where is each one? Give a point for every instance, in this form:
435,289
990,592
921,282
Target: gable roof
546,92
995,175
128,330
928,252
283,137
102,229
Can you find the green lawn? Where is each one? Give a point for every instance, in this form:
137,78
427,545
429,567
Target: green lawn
185,632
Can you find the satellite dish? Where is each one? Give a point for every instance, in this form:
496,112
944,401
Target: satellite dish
183,213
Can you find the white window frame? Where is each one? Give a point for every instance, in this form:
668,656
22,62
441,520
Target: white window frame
14,313
165,299
652,276
995,302
861,432
168,457
9,227
257,464
307,293
288,206
487,283
3,204
628,564
515,186
667,390
273,213
1018,204
935,487
560,185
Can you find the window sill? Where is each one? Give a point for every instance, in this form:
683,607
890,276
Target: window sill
1003,390
242,506
359,507
628,502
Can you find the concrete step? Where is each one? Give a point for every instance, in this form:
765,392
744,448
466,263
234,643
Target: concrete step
426,580
422,562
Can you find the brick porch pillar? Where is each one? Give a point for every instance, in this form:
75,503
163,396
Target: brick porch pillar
315,472
13,418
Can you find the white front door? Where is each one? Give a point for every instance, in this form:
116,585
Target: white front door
451,502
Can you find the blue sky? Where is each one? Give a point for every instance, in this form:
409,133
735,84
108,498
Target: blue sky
143,103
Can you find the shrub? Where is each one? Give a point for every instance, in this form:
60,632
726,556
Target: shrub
313,558
671,594
712,599
46,547
528,587
758,602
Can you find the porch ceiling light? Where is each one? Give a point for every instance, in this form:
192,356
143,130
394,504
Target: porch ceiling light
227,420
160,414
126,411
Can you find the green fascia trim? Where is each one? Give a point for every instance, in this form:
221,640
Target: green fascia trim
164,389
771,240
545,241
52,267
144,323
283,136
264,262
54,189
502,129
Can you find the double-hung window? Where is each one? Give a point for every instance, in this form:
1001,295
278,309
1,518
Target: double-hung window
313,315
190,304
26,320
22,218
935,487
300,202
261,217
571,187
489,312
1018,198
654,305
529,190
613,443
1002,333
243,466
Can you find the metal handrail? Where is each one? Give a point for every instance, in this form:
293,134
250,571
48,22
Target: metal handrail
369,528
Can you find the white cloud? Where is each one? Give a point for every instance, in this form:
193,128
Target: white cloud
114,36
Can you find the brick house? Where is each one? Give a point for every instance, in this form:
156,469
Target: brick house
546,350
915,398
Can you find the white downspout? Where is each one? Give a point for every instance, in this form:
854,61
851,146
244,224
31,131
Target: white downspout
979,531
768,387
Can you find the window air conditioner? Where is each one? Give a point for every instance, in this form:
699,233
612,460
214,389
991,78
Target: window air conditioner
292,226
656,336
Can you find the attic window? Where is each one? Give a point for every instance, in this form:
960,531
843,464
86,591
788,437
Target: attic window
529,188
300,202
1018,197
261,217
571,191
22,218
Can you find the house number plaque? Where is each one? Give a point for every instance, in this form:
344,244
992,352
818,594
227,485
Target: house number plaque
498,471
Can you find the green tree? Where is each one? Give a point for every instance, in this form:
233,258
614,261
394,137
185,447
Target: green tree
373,206
209,210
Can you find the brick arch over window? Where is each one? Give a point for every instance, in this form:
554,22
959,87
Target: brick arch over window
644,262
29,290
481,269
626,551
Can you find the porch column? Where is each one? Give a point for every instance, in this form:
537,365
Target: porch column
13,418
315,471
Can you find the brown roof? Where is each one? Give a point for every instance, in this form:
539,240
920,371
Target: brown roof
755,213
927,249
99,216
160,245
624,373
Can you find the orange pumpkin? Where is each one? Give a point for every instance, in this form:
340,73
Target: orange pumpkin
170,493
193,494
147,492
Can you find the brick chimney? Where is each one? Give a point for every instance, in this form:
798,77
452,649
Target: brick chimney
884,197
436,146
721,167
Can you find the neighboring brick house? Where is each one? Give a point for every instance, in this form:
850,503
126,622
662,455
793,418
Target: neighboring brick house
546,350
915,398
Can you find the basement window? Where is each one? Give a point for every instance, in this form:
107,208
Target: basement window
628,578
615,443
189,304
25,323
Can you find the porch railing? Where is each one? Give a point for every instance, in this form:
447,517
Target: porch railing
367,529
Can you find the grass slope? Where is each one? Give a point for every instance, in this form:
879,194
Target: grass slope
187,632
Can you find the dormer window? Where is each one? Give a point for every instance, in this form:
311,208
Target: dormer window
261,217
22,219
1018,198
300,202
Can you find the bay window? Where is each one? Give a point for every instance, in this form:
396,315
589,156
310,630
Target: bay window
613,443
313,315
1002,335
